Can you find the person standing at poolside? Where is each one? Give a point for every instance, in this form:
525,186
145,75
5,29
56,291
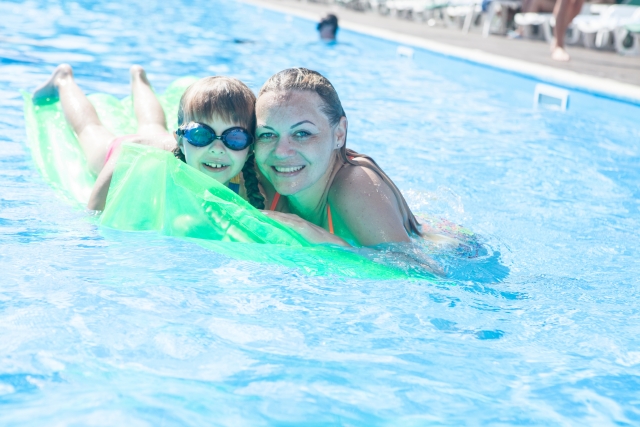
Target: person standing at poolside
328,28
564,12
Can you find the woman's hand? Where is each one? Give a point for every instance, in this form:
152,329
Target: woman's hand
309,231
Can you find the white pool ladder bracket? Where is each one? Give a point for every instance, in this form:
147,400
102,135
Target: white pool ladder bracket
551,97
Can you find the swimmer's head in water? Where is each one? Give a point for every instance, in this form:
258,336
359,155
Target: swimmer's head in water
328,27
301,130
221,103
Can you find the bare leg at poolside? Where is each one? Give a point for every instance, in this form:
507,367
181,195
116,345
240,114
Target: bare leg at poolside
564,12
538,6
80,114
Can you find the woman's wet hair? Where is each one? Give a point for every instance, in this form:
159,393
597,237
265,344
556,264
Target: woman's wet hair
232,101
303,79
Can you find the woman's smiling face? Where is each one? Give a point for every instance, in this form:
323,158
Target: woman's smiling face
295,142
215,159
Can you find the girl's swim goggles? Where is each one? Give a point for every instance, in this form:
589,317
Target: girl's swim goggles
201,135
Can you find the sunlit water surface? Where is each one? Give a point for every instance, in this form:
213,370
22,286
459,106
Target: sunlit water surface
106,328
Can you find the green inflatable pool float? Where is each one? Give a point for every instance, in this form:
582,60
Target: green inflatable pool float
153,191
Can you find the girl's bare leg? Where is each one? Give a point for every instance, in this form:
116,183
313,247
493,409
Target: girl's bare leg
152,122
80,114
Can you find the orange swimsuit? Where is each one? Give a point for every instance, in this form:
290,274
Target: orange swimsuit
276,199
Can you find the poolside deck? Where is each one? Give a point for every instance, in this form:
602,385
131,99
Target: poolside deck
590,62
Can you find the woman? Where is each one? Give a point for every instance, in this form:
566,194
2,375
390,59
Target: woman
301,151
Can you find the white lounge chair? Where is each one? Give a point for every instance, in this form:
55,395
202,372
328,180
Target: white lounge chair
458,12
571,37
403,8
501,26
545,23
530,22
598,30
627,39
430,10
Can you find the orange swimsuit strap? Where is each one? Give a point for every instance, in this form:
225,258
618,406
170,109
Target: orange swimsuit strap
274,202
276,199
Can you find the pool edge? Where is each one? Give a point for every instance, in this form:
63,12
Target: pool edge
598,86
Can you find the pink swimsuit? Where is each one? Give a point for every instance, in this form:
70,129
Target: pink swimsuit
117,142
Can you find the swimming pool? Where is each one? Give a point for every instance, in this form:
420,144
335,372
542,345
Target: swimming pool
99,327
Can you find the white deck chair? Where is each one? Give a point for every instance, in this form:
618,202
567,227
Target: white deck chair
429,9
627,39
503,6
457,12
425,9
598,30
398,7
572,36
546,22
529,21
377,5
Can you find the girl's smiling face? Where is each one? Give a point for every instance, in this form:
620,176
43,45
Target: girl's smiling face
295,143
215,159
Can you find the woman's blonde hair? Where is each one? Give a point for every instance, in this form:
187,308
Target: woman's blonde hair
303,79
232,101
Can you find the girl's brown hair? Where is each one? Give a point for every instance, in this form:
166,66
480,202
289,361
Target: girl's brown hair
303,79
232,101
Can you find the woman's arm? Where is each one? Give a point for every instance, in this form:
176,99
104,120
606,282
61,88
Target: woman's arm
311,232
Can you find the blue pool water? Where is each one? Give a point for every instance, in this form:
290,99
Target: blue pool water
105,328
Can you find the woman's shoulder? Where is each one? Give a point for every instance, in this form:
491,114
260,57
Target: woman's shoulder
367,206
350,174
355,184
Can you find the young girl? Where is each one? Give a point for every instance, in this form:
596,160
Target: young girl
216,119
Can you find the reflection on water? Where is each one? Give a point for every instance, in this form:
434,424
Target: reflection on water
532,322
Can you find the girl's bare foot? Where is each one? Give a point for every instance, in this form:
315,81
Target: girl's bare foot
138,73
559,54
48,91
